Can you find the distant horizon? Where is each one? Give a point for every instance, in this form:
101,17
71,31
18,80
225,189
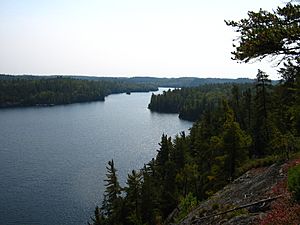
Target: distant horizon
273,76
141,76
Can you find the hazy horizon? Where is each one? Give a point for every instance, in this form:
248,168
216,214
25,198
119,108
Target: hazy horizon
169,77
141,76
130,38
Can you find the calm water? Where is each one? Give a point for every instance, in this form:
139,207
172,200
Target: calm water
52,159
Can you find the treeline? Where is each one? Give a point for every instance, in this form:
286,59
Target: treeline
170,82
59,90
262,121
191,103
155,81
185,81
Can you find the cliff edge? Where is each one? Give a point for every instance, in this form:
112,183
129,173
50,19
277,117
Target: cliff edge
254,198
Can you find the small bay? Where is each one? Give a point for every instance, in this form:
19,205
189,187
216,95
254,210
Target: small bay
53,159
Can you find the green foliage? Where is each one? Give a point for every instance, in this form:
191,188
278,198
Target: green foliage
192,103
260,162
98,217
294,182
186,204
133,197
235,143
262,134
284,144
112,203
266,33
55,91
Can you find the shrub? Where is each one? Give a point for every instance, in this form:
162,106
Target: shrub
284,212
186,205
256,163
294,182
215,206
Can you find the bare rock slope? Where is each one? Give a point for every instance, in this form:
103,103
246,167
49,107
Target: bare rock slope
243,201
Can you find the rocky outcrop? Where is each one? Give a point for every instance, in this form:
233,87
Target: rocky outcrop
243,201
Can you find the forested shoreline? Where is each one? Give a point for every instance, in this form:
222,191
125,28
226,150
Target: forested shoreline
191,103
16,92
246,127
155,81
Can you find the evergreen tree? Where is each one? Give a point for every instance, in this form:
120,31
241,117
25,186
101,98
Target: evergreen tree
163,154
235,143
168,198
262,84
288,96
276,35
98,218
150,195
112,202
268,34
179,151
236,104
262,127
133,197
247,109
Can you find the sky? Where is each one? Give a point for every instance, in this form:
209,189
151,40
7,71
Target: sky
161,38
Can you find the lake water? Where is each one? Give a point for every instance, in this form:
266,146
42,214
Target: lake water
52,159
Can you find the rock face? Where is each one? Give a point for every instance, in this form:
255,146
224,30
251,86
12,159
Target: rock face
242,202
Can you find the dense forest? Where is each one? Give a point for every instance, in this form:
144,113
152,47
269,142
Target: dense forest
191,103
184,81
155,81
34,91
249,126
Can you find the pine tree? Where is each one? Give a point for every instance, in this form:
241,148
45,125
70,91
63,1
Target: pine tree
289,93
268,34
168,197
163,154
98,217
112,202
133,197
247,109
262,130
150,195
235,143
235,104
177,154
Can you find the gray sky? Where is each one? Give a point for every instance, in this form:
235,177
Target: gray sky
163,38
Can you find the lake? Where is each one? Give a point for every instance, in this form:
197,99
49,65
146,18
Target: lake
53,159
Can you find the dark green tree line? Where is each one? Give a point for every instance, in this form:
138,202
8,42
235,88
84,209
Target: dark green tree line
55,91
191,103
